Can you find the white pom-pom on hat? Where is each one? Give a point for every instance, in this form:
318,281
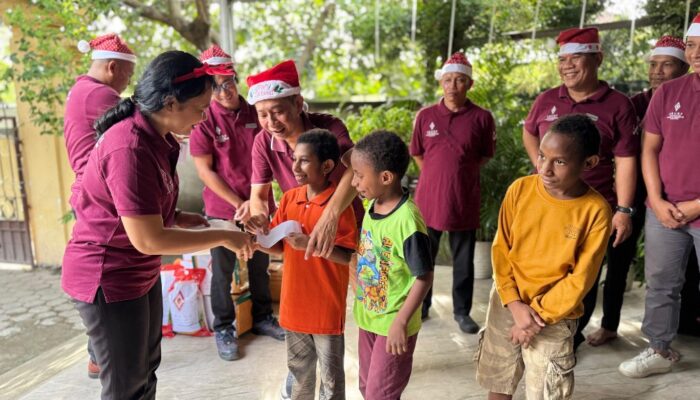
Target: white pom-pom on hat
83,46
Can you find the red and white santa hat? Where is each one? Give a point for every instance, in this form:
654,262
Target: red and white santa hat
215,55
579,40
456,63
107,47
669,46
694,28
280,81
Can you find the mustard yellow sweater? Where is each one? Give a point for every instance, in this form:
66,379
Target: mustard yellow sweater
547,252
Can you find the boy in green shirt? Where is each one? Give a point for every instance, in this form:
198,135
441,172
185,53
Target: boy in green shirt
394,267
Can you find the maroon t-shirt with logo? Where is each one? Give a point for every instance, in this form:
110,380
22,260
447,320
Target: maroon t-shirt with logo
452,145
130,172
228,137
87,100
272,158
613,114
674,113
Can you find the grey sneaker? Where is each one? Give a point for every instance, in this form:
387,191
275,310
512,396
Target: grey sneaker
286,391
269,327
227,344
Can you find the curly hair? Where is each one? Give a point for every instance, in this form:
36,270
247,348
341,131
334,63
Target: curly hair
386,151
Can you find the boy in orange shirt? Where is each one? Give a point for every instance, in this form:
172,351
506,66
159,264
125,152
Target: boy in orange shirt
553,230
312,303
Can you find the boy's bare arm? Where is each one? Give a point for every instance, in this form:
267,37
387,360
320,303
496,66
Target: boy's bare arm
397,342
276,250
339,255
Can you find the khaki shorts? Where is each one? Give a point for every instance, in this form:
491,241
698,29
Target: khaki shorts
548,363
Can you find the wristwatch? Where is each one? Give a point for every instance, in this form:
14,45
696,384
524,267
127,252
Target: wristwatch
626,210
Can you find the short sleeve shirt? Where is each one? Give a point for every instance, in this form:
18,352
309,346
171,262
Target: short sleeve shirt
272,158
87,100
613,114
674,113
314,290
228,137
452,145
130,172
394,249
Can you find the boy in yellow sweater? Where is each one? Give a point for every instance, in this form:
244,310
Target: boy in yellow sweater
552,234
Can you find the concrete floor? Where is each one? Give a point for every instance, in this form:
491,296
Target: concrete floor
443,367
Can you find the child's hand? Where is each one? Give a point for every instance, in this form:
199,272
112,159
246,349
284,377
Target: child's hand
258,224
521,337
298,241
526,318
396,342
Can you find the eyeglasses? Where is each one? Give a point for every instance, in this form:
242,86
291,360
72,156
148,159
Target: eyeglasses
228,85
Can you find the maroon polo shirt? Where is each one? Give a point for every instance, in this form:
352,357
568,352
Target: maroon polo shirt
228,137
640,101
452,145
273,158
613,114
674,113
130,172
87,100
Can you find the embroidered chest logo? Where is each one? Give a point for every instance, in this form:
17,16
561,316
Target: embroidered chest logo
675,115
219,137
432,132
593,118
553,116
167,181
571,232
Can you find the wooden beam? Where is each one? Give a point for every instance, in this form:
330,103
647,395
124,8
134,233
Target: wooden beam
606,26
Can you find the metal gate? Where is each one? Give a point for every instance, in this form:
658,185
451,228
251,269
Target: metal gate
15,244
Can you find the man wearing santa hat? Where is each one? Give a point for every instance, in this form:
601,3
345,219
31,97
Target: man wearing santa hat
670,149
221,148
92,94
666,62
580,56
451,141
276,94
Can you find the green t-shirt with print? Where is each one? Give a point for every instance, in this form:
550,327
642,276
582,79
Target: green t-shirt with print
394,249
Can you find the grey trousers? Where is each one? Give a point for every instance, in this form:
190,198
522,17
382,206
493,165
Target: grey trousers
303,352
666,253
125,336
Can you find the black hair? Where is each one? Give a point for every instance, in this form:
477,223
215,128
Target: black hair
156,85
386,151
581,129
323,144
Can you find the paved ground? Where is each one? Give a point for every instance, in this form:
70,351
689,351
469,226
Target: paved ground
35,315
443,367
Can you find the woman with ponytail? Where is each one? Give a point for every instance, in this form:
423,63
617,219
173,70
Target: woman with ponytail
126,219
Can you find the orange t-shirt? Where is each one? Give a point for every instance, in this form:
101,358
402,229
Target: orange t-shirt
314,290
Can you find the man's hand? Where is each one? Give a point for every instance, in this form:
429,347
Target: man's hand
526,318
690,210
258,224
242,212
322,239
298,241
396,341
622,227
668,214
190,220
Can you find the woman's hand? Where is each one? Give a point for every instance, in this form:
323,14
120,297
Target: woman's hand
186,220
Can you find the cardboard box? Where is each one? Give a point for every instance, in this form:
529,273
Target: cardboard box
244,312
240,283
275,272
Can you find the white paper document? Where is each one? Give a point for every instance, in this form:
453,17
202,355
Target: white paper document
278,233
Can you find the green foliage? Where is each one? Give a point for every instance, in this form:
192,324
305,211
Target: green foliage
46,68
671,14
396,118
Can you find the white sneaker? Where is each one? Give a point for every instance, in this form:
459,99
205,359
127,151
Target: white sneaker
646,363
